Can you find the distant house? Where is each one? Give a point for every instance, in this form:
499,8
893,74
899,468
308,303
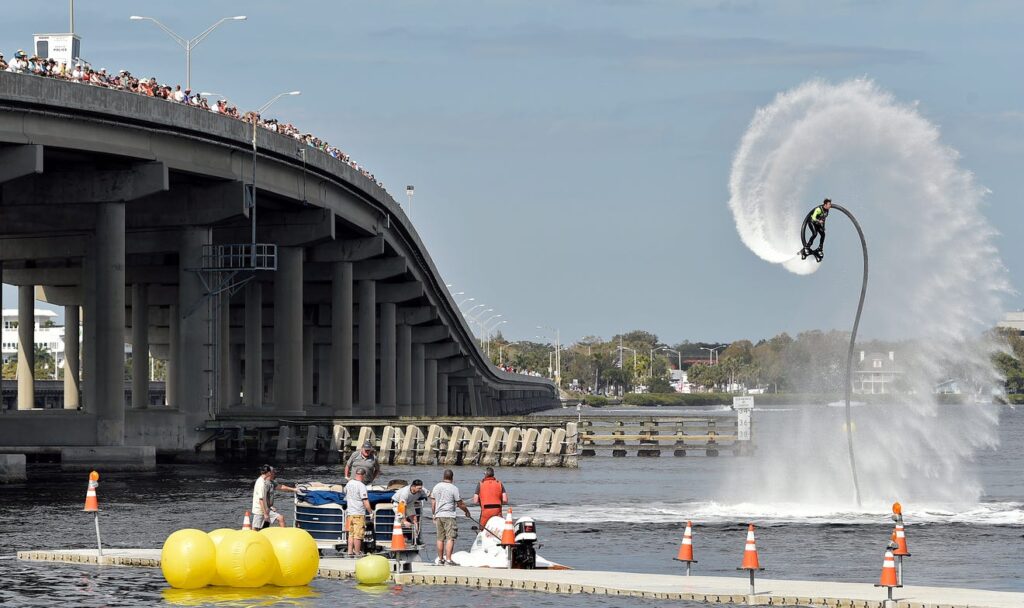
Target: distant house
1014,321
48,336
876,373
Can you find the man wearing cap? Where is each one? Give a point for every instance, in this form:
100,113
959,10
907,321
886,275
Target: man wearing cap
357,507
365,459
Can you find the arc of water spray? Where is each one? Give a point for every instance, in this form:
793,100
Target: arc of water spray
849,353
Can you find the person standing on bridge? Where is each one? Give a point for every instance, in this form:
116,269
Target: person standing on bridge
490,495
366,460
263,512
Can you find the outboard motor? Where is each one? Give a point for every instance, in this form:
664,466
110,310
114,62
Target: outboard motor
524,553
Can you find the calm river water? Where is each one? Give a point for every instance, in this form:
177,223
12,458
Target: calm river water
623,514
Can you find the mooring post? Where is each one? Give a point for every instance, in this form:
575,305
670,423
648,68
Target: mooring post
99,542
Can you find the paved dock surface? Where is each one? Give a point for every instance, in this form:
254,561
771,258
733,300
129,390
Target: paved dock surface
711,589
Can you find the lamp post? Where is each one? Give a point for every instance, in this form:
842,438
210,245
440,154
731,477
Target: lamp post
251,203
409,191
459,305
188,43
633,350
501,347
558,354
488,333
713,352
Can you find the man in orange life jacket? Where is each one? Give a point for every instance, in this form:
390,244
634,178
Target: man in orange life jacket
490,495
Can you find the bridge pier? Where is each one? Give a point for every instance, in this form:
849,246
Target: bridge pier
71,337
367,346
405,391
342,323
140,346
105,376
26,347
288,334
253,392
192,360
418,380
388,346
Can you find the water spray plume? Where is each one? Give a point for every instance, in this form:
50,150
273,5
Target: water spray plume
937,272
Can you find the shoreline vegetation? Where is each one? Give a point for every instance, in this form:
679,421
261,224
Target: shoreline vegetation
711,399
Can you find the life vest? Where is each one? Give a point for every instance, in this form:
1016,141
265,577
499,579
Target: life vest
490,493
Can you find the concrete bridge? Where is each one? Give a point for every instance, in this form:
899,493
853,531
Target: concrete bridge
131,212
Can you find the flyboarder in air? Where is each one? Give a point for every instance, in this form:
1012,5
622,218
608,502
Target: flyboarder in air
814,226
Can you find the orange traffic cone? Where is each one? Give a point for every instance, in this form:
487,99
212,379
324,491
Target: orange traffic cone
247,522
888,578
686,548
397,536
750,561
508,535
899,536
92,503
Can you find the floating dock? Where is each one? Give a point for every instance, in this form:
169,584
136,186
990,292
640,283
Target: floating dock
709,589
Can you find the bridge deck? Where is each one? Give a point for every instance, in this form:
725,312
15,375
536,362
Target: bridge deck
711,589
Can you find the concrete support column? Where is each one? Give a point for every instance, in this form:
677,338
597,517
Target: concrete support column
226,394
26,347
342,326
388,362
194,357
367,347
71,334
308,365
173,355
474,404
323,374
106,384
253,391
430,387
404,370
442,395
140,345
234,372
288,329
418,399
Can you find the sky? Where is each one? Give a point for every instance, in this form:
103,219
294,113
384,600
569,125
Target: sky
571,157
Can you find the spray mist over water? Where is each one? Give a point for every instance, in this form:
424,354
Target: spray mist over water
935,274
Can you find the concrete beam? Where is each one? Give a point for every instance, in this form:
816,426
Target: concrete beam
39,220
388,293
379,269
42,248
61,296
418,315
191,205
432,333
63,188
442,350
299,228
153,241
19,161
42,276
347,250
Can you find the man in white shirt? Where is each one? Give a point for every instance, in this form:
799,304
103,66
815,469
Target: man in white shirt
263,512
358,507
444,499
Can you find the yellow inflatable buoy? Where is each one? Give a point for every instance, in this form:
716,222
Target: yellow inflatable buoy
245,559
216,536
188,559
298,559
227,596
372,570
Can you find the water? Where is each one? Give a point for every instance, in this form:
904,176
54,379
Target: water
623,514
936,278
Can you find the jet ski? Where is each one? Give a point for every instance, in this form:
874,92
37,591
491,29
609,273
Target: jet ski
487,551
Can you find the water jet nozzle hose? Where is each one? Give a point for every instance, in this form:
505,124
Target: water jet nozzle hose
849,354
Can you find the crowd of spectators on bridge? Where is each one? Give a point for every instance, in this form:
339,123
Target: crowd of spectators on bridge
517,370
124,80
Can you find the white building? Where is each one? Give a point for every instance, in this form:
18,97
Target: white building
48,335
876,373
1014,321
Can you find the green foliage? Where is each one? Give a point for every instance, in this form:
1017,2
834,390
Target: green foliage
676,399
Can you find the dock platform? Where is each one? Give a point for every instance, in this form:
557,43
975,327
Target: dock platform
710,589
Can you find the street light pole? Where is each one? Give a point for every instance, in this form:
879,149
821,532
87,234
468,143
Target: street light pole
186,43
409,191
251,203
